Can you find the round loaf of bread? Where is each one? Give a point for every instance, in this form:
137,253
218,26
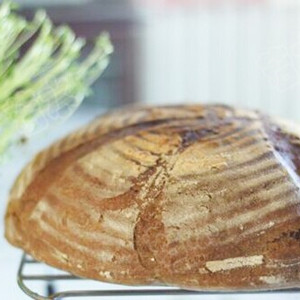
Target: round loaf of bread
200,197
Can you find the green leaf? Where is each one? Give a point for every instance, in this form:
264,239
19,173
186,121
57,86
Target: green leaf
50,80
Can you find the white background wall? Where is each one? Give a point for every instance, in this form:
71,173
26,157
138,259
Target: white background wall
246,55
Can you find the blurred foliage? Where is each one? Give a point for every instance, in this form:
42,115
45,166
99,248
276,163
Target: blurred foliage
49,80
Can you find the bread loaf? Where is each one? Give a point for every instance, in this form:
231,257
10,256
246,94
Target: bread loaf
200,197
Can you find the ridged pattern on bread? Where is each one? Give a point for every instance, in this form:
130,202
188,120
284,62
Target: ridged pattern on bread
202,197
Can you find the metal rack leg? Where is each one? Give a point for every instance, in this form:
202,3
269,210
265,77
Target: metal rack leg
50,288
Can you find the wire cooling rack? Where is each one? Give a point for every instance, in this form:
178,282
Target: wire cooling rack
50,278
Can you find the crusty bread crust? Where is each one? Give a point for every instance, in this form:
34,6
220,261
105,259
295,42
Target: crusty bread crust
201,197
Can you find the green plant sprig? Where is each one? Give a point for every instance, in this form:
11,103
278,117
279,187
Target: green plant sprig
48,78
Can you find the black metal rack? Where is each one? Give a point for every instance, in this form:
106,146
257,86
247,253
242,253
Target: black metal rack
52,279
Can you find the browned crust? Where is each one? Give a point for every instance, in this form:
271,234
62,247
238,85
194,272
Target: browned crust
203,197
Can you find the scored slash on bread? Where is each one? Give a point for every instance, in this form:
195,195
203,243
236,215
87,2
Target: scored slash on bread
202,197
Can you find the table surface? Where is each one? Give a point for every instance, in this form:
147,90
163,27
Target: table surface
10,257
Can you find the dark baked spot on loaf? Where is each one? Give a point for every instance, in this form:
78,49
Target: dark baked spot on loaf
286,144
288,235
295,235
189,137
